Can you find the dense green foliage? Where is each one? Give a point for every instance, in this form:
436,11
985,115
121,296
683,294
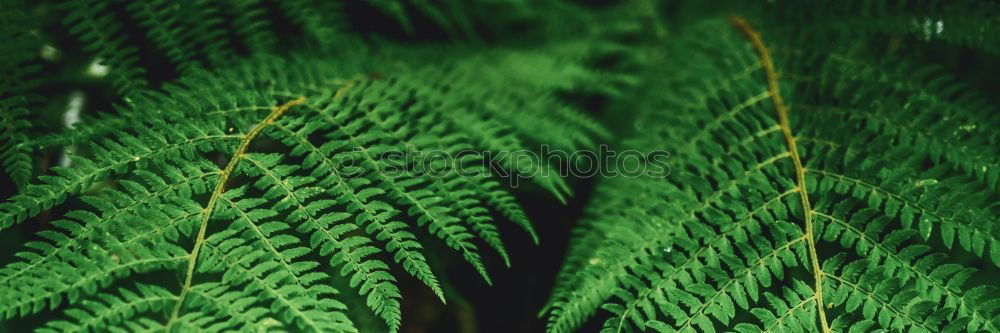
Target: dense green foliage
197,165
258,175
843,216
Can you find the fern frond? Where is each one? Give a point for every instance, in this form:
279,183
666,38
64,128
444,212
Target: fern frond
353,145
251,24
117,247
112,156
219,300
665,254
498,197
321,20
258,274
354,193
109,310
208,31
282,249
259,229
163,21
370,274
93,24
259,165
13,153
19,79
927,273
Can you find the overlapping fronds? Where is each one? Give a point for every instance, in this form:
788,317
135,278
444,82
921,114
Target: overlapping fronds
253,184
276,166
809,191
200,33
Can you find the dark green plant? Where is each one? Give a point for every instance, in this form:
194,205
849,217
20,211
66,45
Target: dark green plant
196,165
262,166
824,177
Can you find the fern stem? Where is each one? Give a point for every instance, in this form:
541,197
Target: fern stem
800,172
220,187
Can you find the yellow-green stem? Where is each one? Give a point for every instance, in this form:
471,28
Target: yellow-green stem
800,171
220,187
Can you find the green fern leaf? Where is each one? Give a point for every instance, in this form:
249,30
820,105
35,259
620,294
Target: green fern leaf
822,218
188,180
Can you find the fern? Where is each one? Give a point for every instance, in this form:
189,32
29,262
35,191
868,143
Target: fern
315,196
261,181
813,188
257,165
19,67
